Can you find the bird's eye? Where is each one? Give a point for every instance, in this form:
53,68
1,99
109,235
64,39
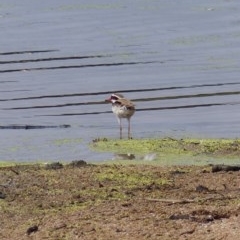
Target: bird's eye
114,98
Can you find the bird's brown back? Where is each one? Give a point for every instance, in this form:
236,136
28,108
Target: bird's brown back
125,102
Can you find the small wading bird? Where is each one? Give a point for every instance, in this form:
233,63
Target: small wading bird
122,108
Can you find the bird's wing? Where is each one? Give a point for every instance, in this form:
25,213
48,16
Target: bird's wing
126,102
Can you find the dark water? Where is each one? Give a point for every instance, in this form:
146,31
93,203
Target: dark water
178,61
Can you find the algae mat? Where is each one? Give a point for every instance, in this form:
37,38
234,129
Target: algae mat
168,151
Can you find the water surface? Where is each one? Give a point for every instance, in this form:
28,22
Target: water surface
178,61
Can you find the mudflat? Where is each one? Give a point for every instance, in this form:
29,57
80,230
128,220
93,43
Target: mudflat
119,201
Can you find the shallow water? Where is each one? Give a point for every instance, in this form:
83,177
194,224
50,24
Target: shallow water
178,61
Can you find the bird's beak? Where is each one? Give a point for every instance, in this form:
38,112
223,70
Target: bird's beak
108,100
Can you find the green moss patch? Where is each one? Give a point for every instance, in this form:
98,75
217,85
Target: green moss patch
168,149
129,178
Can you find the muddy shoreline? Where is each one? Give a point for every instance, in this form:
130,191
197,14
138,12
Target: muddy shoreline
88,201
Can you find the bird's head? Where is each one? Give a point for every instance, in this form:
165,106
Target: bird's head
114,97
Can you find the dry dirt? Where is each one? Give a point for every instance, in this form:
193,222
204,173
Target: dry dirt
84,201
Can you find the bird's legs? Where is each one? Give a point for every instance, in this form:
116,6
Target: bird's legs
129,129
120,126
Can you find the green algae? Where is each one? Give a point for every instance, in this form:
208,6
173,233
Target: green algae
129,179
173,151
6,164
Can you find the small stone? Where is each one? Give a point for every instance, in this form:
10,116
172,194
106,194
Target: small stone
78,163
54,166
32,229
201,188
2,195
209,218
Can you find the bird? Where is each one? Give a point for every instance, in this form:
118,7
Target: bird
122,108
